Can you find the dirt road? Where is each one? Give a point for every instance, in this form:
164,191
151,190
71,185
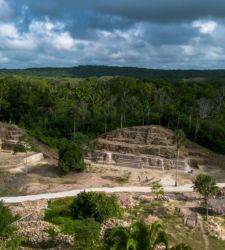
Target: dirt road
74,192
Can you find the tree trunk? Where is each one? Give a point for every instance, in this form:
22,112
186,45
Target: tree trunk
178,152
121,120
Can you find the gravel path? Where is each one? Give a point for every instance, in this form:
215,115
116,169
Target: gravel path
74,192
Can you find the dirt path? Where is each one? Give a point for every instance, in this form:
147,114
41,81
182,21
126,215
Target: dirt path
74,192
204,235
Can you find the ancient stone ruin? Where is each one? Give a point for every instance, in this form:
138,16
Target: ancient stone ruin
10,135
10,159
147,147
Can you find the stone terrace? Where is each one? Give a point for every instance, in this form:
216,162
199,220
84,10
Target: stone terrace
146,147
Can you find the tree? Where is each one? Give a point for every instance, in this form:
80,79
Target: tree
206,186
179,139
158,190
138,237
95,205
71,157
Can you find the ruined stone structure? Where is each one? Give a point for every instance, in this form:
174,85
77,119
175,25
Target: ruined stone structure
10,135
147,147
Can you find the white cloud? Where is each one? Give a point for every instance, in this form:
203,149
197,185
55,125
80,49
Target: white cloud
64,41
205,27
53,34
11,38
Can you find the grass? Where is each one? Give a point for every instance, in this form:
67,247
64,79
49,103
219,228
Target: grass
122,179
215,243
178,233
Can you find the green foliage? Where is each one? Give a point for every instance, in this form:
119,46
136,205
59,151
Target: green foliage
95,205
52,233
138,237
71,158
206,186
87,235
180,138
52,108
6,219
58,208
19,147
158,190
10,239
86,231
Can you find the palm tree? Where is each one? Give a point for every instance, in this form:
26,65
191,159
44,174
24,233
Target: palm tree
138,237
179,140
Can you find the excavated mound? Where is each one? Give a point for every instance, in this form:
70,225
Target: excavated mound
147,147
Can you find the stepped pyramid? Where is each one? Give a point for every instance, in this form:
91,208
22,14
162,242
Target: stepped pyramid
146,147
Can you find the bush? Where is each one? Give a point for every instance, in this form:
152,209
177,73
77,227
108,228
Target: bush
95,205
19,147
71,157
6,219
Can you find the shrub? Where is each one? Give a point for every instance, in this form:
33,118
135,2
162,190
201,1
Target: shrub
6,219
71,157
158,191
95,205
19,147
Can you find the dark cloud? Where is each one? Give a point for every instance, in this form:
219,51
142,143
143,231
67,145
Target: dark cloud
141,10
145,33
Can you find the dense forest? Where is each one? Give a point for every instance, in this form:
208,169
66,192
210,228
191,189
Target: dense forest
143,73
52,108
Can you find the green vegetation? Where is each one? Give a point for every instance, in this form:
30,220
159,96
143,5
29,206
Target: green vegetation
6,220
19,147
138,237
85,230
8,237
98,71
70,158
206,186
158,191
95,205
55,109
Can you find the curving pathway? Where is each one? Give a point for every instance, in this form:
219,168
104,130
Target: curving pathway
74,192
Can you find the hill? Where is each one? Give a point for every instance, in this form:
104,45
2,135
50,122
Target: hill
98,71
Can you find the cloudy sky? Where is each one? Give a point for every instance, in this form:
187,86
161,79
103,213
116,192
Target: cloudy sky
145,33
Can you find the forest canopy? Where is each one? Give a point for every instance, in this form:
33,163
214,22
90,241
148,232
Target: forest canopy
52,108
